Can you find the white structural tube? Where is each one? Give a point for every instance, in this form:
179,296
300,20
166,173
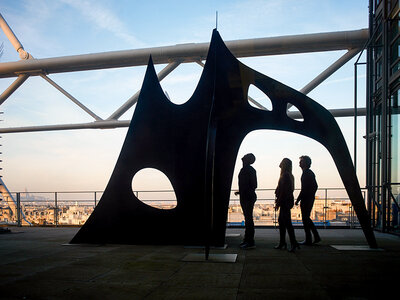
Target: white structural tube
329,71
132,101
72,98
343,40
13,87
109,124
13,39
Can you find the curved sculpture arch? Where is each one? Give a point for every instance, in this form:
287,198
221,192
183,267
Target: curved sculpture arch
196,144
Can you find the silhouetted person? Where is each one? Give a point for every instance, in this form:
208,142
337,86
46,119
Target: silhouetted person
285,201
247,192
306,198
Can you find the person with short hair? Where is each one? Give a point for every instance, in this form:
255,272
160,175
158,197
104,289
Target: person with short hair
248,197
306,198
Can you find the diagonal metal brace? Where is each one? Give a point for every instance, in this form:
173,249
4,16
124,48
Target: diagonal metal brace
132,101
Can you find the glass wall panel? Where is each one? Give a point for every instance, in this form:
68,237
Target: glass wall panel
395,134
394,161
394,27
394,56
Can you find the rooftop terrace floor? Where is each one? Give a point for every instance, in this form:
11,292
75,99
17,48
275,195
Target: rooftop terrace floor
35,264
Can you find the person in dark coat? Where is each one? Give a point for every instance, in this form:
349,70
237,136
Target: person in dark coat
306,198
284,202
247,193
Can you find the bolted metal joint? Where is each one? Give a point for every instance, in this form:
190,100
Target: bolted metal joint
23,54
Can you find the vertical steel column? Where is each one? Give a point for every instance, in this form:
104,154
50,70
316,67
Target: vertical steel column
19,209
385,95
369,86
355,117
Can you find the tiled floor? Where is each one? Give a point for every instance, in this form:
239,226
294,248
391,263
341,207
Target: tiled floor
36,264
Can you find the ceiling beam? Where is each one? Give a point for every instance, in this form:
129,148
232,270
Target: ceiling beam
192,52
110,124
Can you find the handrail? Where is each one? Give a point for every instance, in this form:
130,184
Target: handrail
74,207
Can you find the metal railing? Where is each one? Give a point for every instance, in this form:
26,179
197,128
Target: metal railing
332,208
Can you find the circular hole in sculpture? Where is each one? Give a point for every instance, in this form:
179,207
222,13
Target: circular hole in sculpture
258,98
153,188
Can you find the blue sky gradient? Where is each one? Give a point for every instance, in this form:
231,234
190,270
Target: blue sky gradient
84,159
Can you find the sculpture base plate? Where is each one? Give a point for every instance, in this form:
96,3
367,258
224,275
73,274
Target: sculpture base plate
200,257
202,247
355,248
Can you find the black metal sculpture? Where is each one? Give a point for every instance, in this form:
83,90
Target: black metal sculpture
195,145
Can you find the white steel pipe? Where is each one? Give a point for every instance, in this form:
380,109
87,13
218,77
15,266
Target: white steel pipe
13,38
329,71
10,34
72,98
13,87
256,103
92,125
189,53
109,124
132,101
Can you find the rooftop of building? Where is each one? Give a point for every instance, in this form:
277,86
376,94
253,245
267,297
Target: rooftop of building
36,263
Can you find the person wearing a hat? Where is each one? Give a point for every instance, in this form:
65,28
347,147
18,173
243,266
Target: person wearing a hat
248,197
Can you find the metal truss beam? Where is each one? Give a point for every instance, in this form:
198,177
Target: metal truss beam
330,70
173,56
110,124
13,87
132,101
193,52
72,98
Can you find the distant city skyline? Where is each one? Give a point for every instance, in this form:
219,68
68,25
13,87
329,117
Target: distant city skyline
331,208
84,159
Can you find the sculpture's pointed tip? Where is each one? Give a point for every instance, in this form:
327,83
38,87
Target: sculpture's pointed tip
215,34
150,65
216,38
150,62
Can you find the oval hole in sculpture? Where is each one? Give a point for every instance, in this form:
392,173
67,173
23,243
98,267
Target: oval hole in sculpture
153,187
294,113
262,100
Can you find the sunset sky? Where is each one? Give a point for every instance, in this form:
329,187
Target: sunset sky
82,160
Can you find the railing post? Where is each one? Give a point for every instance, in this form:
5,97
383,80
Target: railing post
95,199
55,209
19,210
325,206
351,217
